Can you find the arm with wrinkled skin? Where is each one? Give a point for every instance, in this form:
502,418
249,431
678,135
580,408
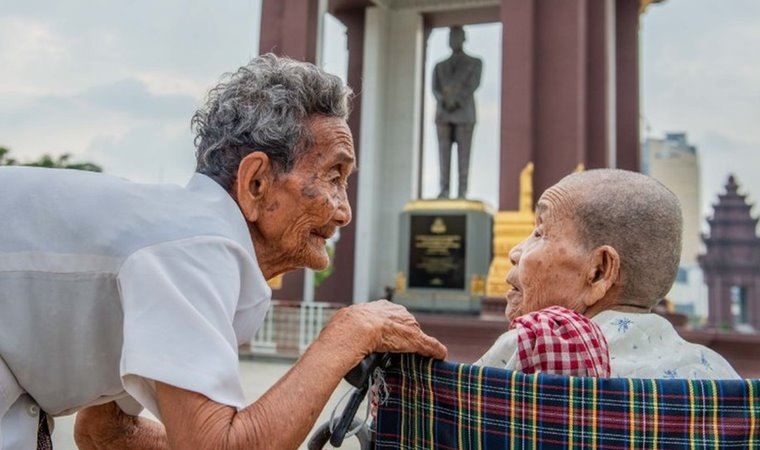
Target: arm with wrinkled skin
106,426
283,416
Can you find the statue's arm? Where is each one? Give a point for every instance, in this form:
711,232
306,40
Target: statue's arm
472,82
437,89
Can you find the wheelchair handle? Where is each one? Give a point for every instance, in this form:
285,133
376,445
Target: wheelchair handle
340,430
359,378
359,375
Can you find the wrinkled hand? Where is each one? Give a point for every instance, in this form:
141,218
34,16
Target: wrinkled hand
106,427
99,425
382,326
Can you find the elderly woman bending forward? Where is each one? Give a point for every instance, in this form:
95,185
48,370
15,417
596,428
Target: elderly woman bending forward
117,296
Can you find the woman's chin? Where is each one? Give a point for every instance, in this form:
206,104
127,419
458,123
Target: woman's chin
512,312
514,303
318,261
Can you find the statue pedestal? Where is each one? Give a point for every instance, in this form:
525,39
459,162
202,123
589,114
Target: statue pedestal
445,250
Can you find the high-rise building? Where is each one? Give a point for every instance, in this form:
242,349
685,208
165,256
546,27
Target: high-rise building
675,163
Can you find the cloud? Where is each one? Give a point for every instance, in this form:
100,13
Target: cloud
122,126
24,42
127,98
700,67
116,81
132,97
146,153
721,155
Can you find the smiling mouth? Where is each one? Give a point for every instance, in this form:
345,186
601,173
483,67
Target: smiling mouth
512,281
324,234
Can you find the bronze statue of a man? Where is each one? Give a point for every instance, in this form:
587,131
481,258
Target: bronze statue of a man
454,82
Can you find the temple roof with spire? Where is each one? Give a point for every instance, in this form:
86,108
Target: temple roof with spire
733,240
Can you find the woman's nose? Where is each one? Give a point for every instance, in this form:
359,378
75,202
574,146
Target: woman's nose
343,214
515,253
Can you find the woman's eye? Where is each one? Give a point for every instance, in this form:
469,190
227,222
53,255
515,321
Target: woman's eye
334,176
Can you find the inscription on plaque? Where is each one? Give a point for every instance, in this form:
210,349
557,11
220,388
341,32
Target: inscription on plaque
437,252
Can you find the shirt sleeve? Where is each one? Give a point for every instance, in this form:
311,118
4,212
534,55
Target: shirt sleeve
503,353
179,301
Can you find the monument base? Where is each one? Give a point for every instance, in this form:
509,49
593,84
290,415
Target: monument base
444,255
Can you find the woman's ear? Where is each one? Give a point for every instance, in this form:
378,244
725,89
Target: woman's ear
603,273
252,183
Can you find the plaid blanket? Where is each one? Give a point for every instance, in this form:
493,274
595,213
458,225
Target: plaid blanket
435,404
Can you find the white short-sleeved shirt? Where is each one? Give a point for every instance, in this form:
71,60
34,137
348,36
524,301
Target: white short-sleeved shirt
640,346
107,285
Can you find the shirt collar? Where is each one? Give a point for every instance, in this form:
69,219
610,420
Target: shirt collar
205,187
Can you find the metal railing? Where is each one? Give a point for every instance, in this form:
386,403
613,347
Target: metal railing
290,327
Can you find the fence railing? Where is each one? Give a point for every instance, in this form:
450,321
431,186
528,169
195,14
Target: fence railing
290,327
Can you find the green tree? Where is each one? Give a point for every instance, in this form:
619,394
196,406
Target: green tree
6,160
60,162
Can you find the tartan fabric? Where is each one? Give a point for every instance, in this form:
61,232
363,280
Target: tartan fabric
560,341
434,404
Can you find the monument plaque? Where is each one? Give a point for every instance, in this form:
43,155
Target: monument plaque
444,255
437,250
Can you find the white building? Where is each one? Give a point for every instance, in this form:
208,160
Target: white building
675,163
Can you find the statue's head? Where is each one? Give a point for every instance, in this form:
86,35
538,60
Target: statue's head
456,38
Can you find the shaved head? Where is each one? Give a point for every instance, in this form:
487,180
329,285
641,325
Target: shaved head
637,216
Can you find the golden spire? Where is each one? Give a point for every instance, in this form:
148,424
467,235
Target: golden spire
526,188
644,4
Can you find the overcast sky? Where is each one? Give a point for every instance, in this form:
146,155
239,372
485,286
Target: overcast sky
117,82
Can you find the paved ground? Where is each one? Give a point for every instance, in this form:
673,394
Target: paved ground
257,376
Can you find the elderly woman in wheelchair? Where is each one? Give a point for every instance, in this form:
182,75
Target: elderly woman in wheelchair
605,250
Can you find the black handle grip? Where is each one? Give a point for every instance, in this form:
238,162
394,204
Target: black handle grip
359,378
340,430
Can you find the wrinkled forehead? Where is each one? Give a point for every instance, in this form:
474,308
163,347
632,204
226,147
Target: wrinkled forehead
557,203
330,137
330,130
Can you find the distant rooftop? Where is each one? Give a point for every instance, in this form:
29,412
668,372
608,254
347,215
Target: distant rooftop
678,140
679,137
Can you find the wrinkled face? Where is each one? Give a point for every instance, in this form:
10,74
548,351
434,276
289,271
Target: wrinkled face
550,266
308,204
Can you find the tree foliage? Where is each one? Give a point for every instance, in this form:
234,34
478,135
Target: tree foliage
54,162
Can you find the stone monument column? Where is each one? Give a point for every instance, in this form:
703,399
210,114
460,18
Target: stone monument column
454,83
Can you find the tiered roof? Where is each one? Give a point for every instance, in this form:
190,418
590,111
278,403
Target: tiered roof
733,242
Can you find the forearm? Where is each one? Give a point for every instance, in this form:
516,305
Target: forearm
290,408
283,416
280,419
107,427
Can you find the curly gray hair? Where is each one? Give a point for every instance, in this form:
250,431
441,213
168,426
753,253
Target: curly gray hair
264,106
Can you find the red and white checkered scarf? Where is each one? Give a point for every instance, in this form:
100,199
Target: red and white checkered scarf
558,340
